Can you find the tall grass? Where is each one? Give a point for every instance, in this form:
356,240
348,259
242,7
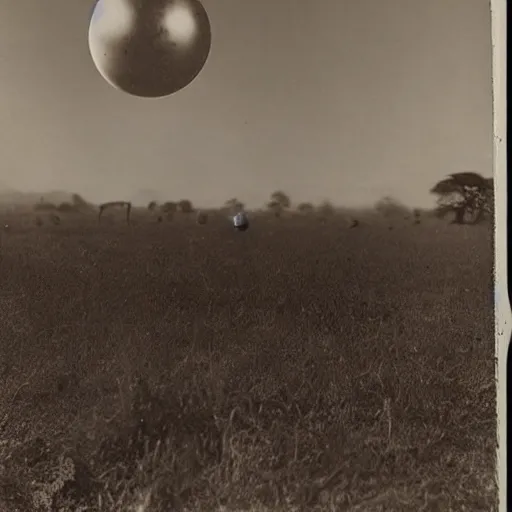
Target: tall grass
297,366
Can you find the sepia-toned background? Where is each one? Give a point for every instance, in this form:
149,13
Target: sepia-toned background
341,100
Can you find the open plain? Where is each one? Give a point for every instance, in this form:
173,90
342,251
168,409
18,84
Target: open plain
301,365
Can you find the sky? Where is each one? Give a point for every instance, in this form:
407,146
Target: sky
340,100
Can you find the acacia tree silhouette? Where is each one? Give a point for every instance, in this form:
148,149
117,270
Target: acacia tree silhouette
465,194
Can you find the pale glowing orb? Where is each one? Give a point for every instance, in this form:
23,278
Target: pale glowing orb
149,48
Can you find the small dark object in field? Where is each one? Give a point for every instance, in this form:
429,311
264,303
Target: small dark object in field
417,221
354,224
55,220
160,218
202,218
241,222
116,204
390,228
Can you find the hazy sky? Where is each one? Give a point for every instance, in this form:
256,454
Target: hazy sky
346,100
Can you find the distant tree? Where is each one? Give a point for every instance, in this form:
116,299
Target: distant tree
275,208
234,205
305,208
390,207
80,204
66,208
169,207
326,209
468,195
281,198
152,206
78,200
185,206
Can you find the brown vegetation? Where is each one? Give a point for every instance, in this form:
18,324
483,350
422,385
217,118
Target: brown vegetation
185,206
305,208
301,366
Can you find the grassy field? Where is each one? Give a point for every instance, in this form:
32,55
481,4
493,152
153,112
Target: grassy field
301,365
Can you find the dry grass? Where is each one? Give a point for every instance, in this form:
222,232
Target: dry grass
301,365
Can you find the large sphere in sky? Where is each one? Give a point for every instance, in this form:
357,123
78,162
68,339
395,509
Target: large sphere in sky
149,48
